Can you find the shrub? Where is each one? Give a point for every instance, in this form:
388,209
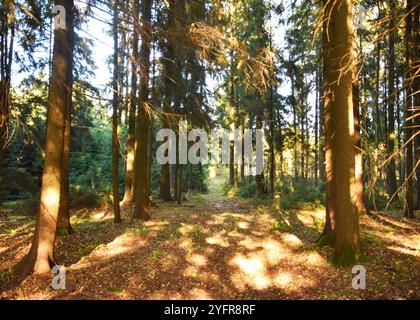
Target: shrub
81,197
247,189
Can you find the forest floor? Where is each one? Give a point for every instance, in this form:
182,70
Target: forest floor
214,247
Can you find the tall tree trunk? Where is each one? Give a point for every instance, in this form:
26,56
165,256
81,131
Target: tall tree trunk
391,176
416,92
378,127
115,105
316,160
360,198
41,253
7,38
272,154
141,202
168,72
321,129
259,178
129,175
63,224
339,129
409,208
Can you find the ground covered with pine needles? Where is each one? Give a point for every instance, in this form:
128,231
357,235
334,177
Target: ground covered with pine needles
214,247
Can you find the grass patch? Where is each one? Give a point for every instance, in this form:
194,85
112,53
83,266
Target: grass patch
5,274
138,230
370,238
115,289
86,250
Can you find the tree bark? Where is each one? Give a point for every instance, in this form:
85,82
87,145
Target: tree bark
7,38
129,175
41,254
390,169
409,208
141,202
115,140
416,92
360,197
339,129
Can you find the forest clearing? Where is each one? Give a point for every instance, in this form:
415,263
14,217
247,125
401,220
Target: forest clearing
209,149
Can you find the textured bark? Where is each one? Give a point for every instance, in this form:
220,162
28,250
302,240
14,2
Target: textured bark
378,126
261,189
409,208
272,154
168,71
7,36
390,168
141,202
129,175
41,253
63,223
115,140
231,163
416,92
360,198
339,129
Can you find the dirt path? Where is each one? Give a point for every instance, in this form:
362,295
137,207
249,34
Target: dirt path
215,247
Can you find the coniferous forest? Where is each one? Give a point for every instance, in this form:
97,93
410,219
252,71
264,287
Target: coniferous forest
209,149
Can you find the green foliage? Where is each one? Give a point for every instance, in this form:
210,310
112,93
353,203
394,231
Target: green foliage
138,230
115,289
298,194
247,188
82,197
5,274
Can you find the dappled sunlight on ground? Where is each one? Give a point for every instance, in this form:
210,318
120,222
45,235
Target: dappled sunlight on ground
214,247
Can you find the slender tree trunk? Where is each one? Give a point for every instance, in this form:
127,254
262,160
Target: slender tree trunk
391,176
316,162
7,38
129,176
416,92
272,154
168,71
141,201
63,224
321,130
409,208
378,130
115,105
41,254
259,178
339,129
360,198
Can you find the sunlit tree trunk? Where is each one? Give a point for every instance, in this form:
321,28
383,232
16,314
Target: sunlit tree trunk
409,208
391,176
259,178
129,176
360,198
338,55
7,38
141,200
63,224
416,92
41,254
378,126
115,140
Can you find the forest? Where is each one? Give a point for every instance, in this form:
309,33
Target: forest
110,186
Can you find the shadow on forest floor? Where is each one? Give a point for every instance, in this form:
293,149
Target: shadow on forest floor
215,247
